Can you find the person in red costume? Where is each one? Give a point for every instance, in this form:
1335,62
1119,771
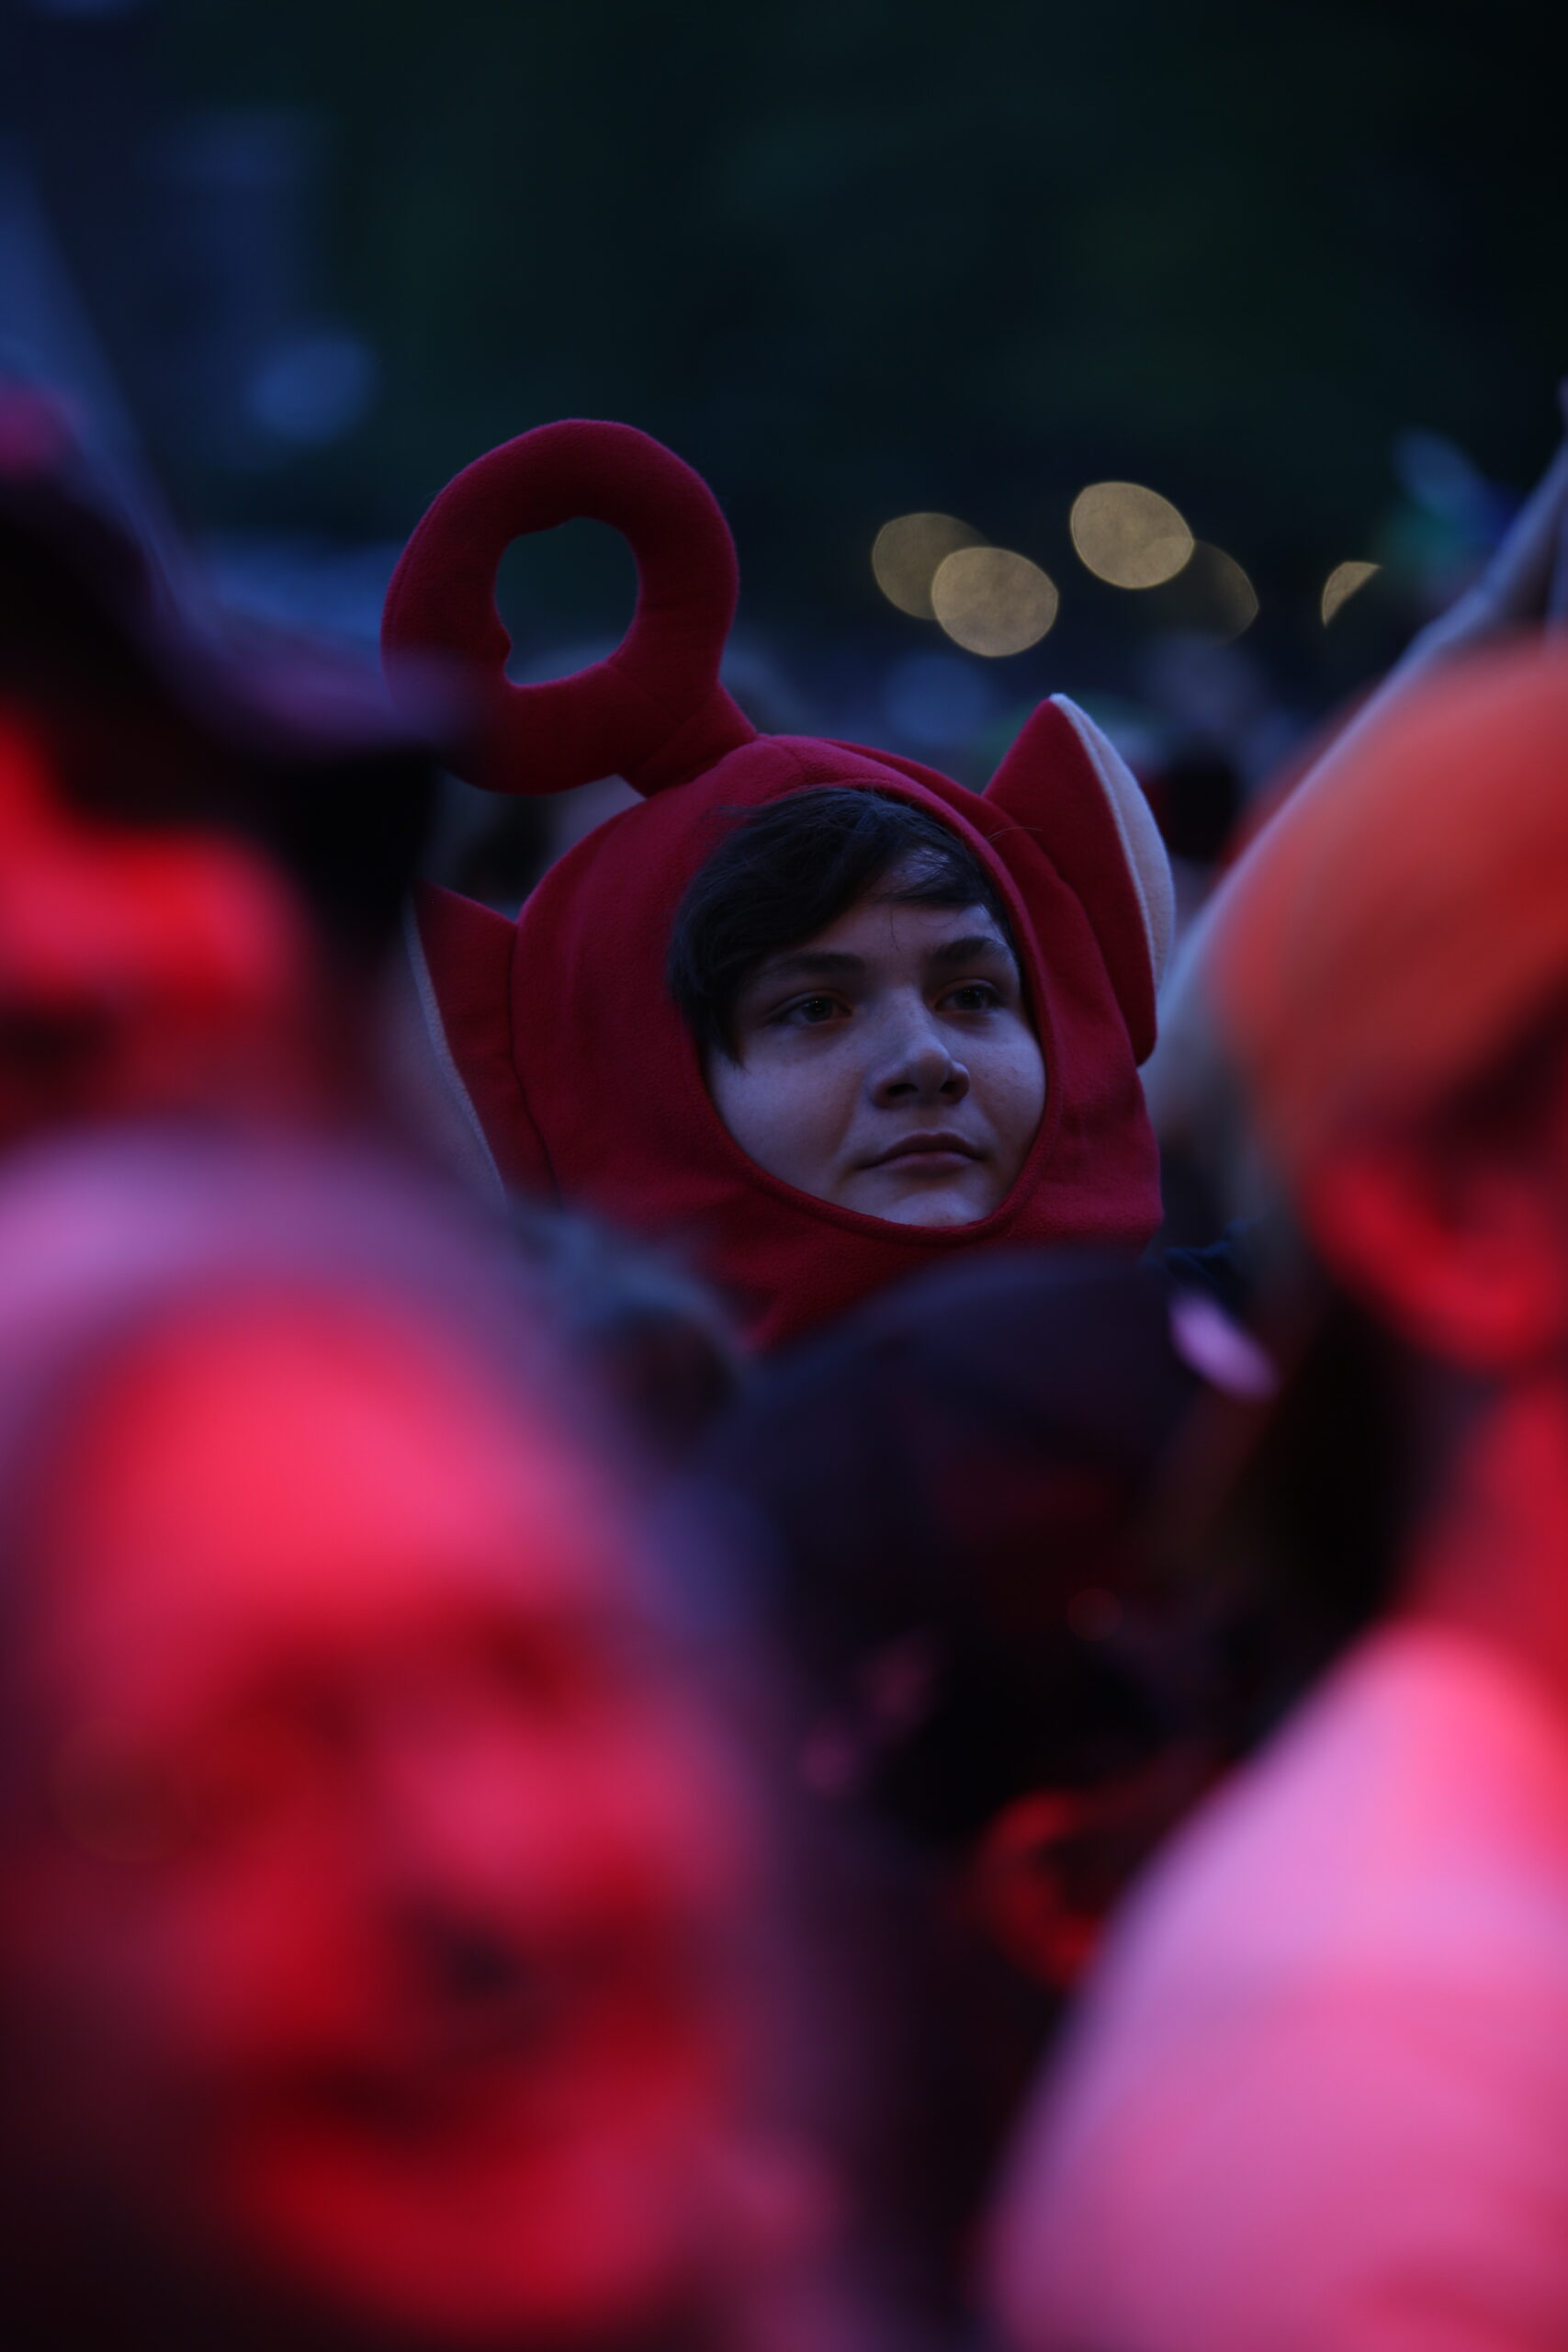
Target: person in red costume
387,1947
969,1077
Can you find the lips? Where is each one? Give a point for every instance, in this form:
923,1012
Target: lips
924,1144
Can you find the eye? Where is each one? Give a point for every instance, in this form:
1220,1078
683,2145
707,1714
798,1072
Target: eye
807,1011
237,1777
974,996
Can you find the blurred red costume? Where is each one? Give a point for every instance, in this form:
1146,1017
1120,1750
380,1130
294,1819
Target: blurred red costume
561,1029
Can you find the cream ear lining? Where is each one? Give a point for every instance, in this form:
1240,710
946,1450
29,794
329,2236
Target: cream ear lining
1141,844
431,1065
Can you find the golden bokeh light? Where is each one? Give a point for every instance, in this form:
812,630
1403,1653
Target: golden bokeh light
1213,597
992,602
1129,535
907,552
1235,598
1342,585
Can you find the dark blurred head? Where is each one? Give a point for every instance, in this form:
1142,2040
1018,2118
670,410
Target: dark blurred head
655,1341
957,1484
204,850
377,1892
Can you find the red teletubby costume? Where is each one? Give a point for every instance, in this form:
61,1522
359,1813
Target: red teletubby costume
561,1029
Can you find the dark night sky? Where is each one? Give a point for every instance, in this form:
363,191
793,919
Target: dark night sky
854,256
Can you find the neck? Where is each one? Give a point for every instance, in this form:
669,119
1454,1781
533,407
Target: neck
1490,1556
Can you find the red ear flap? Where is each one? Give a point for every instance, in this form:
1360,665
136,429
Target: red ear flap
654,711
460,1065
1076,794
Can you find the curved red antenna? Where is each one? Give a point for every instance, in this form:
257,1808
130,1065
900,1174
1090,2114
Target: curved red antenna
653,711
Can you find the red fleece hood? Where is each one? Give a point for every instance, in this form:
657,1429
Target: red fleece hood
561,1028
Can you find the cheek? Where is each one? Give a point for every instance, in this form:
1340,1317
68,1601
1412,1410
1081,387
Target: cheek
1010,1081
133,2001
787,1111
192,1969
634,1821
673,1807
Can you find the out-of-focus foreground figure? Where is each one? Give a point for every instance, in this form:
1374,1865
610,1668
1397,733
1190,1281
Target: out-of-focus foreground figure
385,1948
203,848
1318,2101
957,1488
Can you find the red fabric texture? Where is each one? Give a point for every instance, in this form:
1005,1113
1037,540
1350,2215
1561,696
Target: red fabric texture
653,712
609,1110
469,949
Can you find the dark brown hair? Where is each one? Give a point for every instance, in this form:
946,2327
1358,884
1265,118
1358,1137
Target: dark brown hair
790,869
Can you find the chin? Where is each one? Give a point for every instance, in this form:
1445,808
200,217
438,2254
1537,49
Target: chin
594,2250
938,1211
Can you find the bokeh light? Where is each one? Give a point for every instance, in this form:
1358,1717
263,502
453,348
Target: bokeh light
1342,585
993,602
1129,535
907,552
1212,597
1231,592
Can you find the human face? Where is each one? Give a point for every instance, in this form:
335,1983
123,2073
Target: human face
889,1065
373,1928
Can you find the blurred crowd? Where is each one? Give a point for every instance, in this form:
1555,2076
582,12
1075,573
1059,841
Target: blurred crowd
676,1676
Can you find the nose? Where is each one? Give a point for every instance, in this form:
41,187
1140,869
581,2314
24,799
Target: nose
916,1065
460,1934
465,1962
467,1854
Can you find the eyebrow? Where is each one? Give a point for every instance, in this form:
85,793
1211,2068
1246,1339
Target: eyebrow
836,963
966,950
812,963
